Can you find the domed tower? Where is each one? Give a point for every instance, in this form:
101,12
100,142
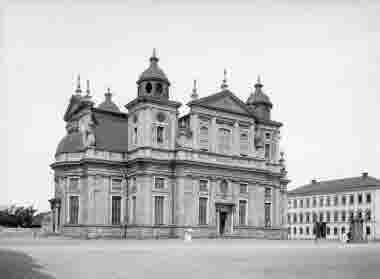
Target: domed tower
259,102
153,81
108,104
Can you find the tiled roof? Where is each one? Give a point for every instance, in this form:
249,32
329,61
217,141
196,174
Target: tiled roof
337,185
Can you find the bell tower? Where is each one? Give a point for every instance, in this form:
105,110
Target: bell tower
153,81
152,116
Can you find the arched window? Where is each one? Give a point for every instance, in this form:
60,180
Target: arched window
148,88
368,215
159,88
301,218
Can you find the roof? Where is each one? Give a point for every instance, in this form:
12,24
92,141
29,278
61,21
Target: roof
223,100
110,134
259,97
108,104
337,185
154,72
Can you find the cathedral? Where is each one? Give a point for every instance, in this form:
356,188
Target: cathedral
149,172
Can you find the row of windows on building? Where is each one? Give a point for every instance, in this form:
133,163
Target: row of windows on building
159,210
329,231
330,201
328,216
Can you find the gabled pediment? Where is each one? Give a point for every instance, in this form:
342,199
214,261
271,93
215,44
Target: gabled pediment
225,101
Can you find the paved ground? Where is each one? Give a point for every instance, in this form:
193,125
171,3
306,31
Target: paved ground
65,258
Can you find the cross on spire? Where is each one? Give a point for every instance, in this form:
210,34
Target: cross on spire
194,95
154,57
224,82
78,90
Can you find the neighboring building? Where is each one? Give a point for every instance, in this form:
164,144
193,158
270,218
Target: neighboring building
335,202
150,173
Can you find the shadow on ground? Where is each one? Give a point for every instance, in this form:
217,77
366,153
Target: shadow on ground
18,265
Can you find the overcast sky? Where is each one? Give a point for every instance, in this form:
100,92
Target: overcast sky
319,62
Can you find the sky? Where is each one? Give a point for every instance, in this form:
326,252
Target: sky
319,62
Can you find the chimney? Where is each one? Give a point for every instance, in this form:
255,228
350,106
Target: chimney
364,174
313,181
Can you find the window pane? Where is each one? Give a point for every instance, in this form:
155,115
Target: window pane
116,185
267,150
267,214
159,183
202,211
116,210
244,143
243,188
74,209
160,134
203,138
203,185
158,210
242,212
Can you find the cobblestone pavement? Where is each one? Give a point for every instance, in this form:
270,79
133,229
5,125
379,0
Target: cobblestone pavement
204,258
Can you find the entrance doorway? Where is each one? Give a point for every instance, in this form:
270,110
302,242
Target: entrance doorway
222,222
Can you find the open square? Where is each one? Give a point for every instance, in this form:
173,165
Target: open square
202,258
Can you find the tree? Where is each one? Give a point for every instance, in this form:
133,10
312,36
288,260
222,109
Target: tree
15,216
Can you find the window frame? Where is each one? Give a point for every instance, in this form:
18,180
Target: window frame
244,185
163,197
68,219
207,185
206,209
120,211
155,183
245,202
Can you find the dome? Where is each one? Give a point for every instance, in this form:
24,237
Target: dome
258,97
154,72
71,143
108,104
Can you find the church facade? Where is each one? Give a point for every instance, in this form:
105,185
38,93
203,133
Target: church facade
151,173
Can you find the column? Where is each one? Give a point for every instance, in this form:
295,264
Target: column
213,140
236,139
252,140
194,125
179,211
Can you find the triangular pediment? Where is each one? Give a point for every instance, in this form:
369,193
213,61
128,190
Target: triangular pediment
225,101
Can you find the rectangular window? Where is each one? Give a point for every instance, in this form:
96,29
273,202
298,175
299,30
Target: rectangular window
335,231
289,219
158,210
307,217
295,203
134,210
203,185
294,218
242,212
203,138
351,199
116,210
160,134
301,203
328,201
267,151
368,197
360,198
343,216
159,183
307,203
328,216
314,202
244,143
343,200
116,185
202,211
74,209
321,202
134,140
335,200
243,188
307,230
224,141
267,213
267,136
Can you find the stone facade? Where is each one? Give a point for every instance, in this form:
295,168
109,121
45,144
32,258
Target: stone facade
150,173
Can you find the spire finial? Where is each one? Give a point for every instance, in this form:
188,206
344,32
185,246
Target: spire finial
194,95
258,82
154,57
88,88
224,83
78,90
108,94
